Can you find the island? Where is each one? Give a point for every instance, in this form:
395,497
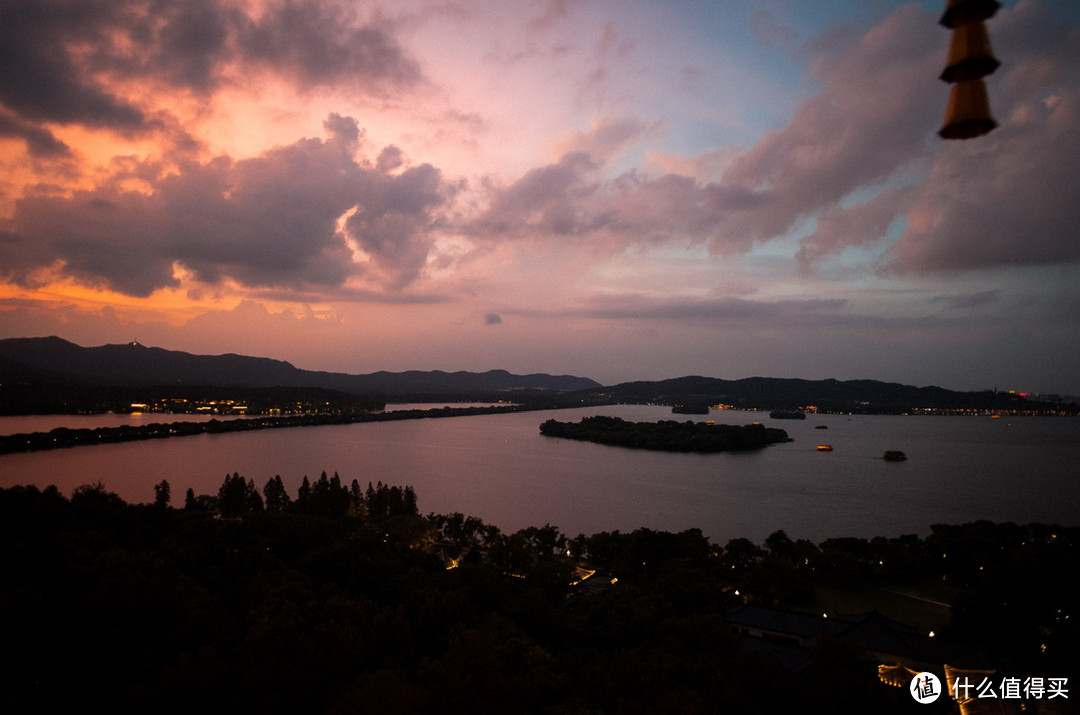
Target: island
667,435
690,409
787,415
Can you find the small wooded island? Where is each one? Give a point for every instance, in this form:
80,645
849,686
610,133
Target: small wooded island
667,435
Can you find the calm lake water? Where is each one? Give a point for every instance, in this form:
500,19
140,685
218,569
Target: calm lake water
499,468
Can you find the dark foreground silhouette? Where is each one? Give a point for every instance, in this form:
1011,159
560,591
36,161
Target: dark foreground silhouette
346,599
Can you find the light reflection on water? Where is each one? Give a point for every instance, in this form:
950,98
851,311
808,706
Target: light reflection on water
499,468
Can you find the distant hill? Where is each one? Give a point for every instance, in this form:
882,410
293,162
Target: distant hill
51,367
52,374
869,396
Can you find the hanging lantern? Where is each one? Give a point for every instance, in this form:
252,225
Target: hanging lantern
968,113
961,12
970,59
970,56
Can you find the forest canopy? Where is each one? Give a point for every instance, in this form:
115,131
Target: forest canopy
345,598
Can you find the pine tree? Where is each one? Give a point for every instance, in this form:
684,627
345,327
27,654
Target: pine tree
275,496
162,494
303,496
232,496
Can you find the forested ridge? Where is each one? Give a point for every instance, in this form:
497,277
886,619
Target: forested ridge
339,599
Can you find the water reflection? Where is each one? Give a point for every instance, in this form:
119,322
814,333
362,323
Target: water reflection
499,468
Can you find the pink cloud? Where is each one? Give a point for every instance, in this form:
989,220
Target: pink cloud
878,106
68,63
871,119
1008,198
265,221
999,200
871,129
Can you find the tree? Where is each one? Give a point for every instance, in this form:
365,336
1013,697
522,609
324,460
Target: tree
741,554
232,496
253,501
303,495
546,541
275,496
95,498
328,497
780,545
162,494
356,499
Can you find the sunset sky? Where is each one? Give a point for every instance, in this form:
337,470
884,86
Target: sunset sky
623,189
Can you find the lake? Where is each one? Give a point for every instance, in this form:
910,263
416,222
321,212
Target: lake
500,469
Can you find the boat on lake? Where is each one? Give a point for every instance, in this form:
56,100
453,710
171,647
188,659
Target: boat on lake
894,455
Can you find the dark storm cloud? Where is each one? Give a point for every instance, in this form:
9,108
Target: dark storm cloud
65,61
266,221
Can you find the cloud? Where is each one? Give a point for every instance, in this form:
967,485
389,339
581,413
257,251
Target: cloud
554,11
999,200
320,43
859,162
607,138
268,221
962,301
633,307
871,122
1007,199
90,63
859,224
40,143
40,76
550,200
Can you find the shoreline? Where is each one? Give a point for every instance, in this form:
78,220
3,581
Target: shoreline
66,437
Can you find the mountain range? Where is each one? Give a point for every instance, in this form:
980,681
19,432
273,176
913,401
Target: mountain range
857,396
52,374
35,369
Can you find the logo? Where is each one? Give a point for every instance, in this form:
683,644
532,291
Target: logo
925,688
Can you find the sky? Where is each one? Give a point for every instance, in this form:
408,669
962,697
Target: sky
616,189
